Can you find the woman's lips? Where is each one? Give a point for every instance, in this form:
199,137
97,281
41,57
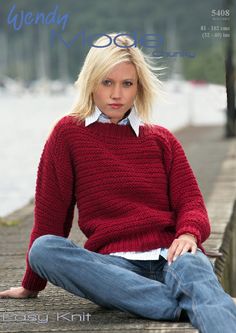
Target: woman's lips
115,106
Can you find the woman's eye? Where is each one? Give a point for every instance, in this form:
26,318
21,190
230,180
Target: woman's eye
128,83
106,82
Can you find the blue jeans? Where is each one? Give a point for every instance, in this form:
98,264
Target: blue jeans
146,288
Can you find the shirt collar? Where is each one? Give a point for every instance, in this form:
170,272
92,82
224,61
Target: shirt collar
132,118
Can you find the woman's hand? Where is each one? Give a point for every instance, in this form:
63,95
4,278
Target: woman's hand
181,245
18,292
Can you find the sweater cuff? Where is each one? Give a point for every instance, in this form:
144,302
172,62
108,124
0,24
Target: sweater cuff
190,230
33,281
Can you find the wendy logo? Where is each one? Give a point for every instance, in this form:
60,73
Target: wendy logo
18,19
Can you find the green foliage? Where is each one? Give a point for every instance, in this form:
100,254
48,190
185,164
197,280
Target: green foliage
8,223
209,66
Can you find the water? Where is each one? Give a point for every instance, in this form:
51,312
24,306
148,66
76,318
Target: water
27,119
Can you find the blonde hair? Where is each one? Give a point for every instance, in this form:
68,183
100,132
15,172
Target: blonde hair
100,60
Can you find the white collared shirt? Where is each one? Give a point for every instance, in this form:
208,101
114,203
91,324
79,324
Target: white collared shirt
132,119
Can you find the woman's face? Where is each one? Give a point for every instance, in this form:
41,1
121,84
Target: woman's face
116,93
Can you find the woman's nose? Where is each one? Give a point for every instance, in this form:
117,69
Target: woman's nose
116,91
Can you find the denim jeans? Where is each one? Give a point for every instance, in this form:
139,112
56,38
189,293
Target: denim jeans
145,288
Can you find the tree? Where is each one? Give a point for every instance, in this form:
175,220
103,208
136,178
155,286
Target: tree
230,78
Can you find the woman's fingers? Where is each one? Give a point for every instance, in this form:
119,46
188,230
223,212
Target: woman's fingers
188,247
18,292
4,293
181,245
171,251
9,294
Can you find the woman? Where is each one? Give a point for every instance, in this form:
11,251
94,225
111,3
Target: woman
139,203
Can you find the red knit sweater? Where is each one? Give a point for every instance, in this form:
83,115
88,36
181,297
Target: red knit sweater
133,193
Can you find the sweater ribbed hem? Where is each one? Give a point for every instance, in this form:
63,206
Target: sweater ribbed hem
33,281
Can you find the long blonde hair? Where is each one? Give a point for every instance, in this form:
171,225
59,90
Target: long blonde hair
100,60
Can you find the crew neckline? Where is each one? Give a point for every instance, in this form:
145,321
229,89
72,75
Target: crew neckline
115,130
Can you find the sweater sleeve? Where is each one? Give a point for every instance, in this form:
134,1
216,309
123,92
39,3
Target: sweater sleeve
54,198
185,196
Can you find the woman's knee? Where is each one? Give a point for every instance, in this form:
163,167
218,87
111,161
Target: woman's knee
40,249
192,261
